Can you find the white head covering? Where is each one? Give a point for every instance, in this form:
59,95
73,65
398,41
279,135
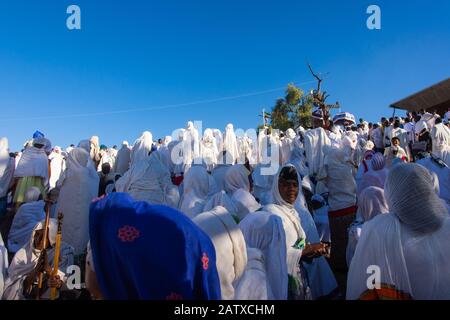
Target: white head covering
237,178
33,162
231,252
411,197
264,231
245,203
141,147
230,142
372,203
196,185
84,144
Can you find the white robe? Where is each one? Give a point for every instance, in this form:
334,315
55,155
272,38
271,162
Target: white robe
230,142
57,166
208,149
3,265
316,143
229,243
6,167
79,186
141,148
196,185
149,180
33,163
123,160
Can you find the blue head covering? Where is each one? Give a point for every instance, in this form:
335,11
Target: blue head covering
150,252
38,134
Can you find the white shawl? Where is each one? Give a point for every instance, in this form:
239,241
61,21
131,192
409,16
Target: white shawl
141,148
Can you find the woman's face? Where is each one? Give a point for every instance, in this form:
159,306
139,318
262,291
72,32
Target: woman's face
288,190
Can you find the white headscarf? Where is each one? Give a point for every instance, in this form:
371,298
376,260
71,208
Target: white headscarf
6,167
244,202
230,142
122,163
141,147
237,178
197,186
231,252
264,231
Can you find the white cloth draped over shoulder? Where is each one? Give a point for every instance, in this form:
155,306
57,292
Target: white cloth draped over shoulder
411,240
440,136
231,251
141,148
237,178
443,174
244,203
123,159
230,142
33,163
197,185
208,149
371,203
287,145
7,167
3,265
264,231
292,227
26,218
57,166
221,199
315,144
27,257
79,186
149,180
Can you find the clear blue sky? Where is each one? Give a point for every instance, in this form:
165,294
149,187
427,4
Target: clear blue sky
142,54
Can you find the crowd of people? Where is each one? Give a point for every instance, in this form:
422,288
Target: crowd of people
201,216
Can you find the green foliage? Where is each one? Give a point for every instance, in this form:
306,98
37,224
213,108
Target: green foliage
293,110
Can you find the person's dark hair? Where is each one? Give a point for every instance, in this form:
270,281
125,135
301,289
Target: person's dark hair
354,128
289,173
159,141
383,119
418,117
397,124
438,120
370,124
38,145
407,120
72,145
106,168
115,147
391,120
395,138
375,125
12,154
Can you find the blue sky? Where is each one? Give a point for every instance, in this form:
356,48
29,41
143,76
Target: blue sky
138,54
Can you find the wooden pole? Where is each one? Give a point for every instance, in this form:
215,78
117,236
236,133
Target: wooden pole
53,291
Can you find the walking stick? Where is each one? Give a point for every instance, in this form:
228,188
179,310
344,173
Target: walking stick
57,252
44,246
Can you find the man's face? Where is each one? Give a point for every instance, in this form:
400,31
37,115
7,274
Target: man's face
288,190
395,143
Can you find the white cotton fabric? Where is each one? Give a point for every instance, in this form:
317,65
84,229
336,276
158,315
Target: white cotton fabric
123,159
79,186
440,136
253,285
443,174
26,258
321,219
208,149
298,159
141,148
230,142
219,173
244,203
7,167
33,163
237,178
231,251
220,199
57,166
264,231
149,180
83,144
287,145
192,138
26,218
196,186
315,144
370,204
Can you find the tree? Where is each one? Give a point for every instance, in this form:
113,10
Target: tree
293,110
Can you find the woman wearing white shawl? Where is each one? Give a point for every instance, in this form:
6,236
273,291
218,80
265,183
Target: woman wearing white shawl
26,259
440,136
231,252
287,145
244,203
224,163
208,149
285,190
192,137
7,167
94,150
315,143
219,139
197,185
26,218
237,177
409,245
230,142
32,170
298,159
266,274
57,166
123,159
375,177
370,204
78,187
141,148
149,180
